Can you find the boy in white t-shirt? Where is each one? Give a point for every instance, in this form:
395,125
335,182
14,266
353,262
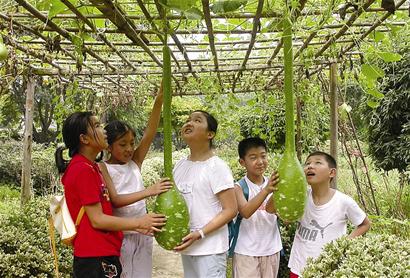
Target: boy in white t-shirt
327,212
257,250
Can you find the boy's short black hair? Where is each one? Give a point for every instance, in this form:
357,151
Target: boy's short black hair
329,159
248,143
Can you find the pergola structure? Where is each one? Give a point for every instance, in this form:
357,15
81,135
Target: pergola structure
120,41
114,45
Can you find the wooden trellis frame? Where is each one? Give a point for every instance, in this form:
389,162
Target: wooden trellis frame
134,50
128,50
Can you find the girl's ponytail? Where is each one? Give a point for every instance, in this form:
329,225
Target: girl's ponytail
61,163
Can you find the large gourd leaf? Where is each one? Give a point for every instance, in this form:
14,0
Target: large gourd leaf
226,6
290,198
170,203
179,5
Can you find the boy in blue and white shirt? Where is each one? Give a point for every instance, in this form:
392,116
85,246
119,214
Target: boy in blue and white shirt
257,251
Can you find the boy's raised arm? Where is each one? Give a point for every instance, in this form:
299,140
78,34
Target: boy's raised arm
246,209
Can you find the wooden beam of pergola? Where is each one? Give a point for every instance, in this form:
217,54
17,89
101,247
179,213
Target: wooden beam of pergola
115,14
295,14
34,32
265,14
205,32
211,38
345,27
371,29
100,35
35,53
59,30
62,32
43,57
181,48
334,38
305,44
39,55
256,26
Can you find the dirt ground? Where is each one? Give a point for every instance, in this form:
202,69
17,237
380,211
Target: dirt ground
166,264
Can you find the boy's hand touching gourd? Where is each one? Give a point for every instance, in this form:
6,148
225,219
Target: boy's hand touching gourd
161,186
272,183
188,240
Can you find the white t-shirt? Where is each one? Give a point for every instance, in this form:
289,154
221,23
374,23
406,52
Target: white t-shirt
320,225
127,179
199,182
259,234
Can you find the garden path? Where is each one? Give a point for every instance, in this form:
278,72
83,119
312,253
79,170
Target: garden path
166,264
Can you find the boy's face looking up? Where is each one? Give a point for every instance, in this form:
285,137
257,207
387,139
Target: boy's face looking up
318,171
255,161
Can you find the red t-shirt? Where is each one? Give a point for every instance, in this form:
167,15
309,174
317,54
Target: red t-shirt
83,185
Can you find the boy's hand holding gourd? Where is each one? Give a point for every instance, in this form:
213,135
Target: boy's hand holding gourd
273,183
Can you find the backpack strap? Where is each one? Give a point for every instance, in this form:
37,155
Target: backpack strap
234,226
245,188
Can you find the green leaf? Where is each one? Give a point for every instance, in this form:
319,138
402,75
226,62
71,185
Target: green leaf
56,7
374,92
372,71
275,25
390,57
251,102
226,6
99,23
178,5
372,104
378,36
194,13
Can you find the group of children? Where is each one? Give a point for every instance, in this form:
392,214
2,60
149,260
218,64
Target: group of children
112,194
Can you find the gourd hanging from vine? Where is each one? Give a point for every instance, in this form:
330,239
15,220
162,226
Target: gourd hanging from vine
170,203
290,198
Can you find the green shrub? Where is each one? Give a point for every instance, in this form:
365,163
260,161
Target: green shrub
9,200
43,171
24,243
390,226
368,256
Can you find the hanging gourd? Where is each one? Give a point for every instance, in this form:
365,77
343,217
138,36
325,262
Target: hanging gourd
170,203
290,198
3,52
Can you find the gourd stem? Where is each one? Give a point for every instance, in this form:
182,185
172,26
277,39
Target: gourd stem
166,79
288,83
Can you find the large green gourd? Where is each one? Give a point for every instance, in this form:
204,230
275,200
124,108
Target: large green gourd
290,198
170,203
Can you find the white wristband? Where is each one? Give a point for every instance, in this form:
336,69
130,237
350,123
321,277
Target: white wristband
201,233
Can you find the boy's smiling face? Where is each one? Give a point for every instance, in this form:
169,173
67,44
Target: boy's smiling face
255,161
318,171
